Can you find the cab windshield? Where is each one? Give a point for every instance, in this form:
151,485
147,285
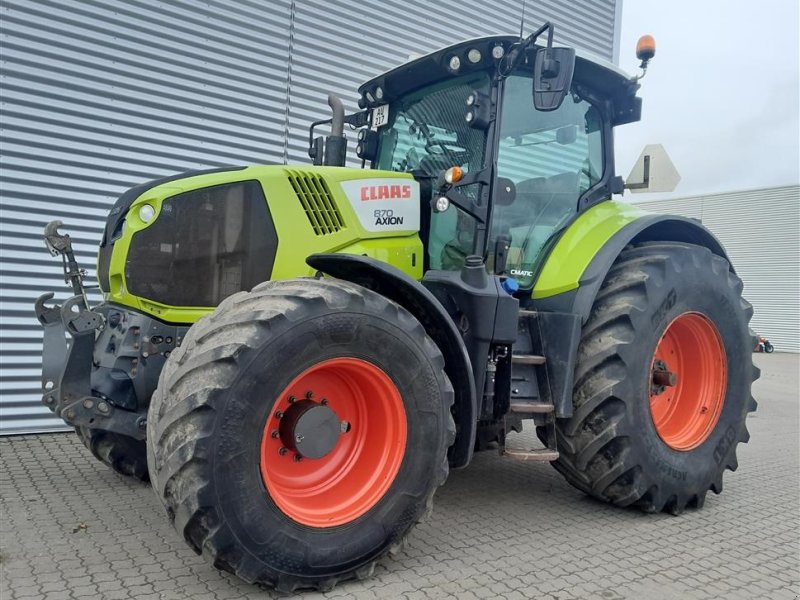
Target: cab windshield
545,162
426,130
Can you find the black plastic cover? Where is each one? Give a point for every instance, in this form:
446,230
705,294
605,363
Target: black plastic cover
120,209
204,246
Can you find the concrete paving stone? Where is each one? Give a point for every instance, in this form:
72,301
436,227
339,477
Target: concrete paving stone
85,591
107,586
59,595
117,595
501,529
50,586
26,590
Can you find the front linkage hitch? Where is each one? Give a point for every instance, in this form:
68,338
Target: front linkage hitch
67,365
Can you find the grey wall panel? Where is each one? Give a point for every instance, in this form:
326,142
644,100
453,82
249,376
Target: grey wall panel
760,229
99,95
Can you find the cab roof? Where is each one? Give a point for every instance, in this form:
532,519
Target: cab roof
591,70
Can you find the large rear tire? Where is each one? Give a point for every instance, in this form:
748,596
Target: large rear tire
662,382
125,455
300,431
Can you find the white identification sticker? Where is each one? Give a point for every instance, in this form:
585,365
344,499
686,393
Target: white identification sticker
390,204
380,115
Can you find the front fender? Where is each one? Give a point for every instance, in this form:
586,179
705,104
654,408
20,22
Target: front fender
416,299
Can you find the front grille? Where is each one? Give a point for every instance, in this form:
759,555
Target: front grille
205,245
317,201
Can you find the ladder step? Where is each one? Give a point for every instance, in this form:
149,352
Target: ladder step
541,455
527,359
531,407
528,313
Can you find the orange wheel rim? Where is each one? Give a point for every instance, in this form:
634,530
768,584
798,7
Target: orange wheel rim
333,442
688,381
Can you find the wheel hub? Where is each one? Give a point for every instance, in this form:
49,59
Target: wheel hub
662,378
310,429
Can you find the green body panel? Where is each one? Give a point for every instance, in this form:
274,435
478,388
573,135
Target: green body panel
296,236
579,244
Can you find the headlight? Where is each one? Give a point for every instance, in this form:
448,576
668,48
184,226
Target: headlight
146,213
474,56
441,204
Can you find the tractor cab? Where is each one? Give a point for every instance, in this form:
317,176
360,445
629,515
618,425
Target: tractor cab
504,176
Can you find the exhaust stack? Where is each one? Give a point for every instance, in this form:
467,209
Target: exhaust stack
336,143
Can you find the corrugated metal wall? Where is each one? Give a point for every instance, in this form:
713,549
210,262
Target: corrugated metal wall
760,229
99,95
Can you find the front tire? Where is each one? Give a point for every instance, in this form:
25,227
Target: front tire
124,454
300,432
661,440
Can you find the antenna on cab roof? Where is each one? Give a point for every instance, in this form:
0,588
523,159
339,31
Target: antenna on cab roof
522,21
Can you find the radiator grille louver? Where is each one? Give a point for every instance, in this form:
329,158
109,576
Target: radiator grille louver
318,202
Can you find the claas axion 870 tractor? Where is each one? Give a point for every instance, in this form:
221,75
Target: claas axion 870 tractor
375,327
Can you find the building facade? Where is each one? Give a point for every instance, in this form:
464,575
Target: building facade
100,95
760,229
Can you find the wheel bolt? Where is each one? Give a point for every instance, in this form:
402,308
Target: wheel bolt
309,395
344,426
292,399
324,402
274,433
278,414
299,438
298,458
282,451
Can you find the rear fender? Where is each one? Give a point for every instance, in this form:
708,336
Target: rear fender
579,296
580,266
416,299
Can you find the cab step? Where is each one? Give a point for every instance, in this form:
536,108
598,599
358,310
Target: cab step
527,359
539,455
529,408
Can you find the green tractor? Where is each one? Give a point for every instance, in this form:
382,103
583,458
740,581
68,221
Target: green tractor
295,356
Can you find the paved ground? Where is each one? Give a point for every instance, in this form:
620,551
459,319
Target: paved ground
73,529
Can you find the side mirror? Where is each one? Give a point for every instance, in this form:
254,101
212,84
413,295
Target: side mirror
552,77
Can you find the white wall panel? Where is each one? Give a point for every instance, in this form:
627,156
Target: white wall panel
760,229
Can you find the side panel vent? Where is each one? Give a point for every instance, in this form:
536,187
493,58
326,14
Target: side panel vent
318,202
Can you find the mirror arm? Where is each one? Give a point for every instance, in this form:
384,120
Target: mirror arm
479,212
